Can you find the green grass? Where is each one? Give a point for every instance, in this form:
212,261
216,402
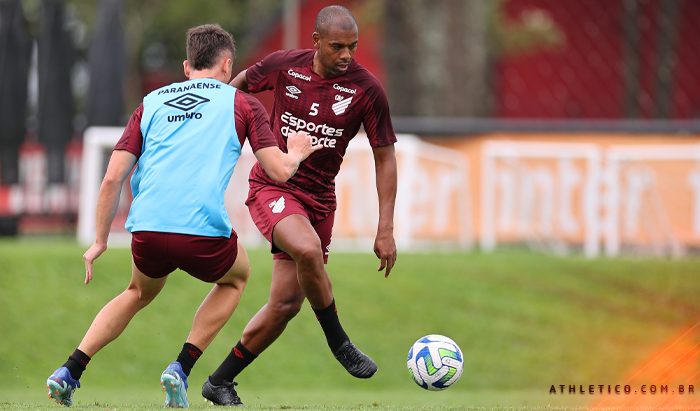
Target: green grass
524,321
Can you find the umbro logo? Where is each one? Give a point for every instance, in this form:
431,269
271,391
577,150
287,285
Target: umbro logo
340,107
292,92
278,205
186,102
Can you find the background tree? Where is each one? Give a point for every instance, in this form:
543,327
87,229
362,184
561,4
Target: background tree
154,33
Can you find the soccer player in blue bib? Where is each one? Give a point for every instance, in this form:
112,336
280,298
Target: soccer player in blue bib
184,140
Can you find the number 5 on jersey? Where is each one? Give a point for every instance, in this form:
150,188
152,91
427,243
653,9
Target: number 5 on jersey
314,109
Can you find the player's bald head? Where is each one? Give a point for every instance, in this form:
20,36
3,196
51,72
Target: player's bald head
334,16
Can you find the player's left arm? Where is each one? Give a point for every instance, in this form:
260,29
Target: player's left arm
380,132
384,244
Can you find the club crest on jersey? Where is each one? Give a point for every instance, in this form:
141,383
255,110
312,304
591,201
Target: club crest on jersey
342,105
278,205
292,92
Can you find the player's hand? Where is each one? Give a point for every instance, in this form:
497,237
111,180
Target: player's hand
385,249
91,255
300,143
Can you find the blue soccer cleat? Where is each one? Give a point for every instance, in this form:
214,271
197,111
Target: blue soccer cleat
174,382
61,386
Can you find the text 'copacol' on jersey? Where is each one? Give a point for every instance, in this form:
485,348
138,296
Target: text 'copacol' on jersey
298,75
344,89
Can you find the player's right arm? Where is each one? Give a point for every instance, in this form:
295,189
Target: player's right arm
124,157
240,81
120,165
253,121
281,166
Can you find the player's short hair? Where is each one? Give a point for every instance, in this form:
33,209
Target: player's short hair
334,16
206,44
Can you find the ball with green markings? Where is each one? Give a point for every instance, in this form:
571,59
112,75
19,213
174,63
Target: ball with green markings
435,362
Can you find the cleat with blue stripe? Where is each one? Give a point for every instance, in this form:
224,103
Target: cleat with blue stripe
174,383
61,386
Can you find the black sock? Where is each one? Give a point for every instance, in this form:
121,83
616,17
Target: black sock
77,363
328,318
188,356
237,360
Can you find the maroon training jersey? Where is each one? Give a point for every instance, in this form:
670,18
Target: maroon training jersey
330,110
251,121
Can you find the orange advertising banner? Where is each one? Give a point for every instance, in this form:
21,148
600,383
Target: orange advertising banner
599,193
594,193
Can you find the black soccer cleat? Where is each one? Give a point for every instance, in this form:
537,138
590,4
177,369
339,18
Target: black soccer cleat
221,394
357,363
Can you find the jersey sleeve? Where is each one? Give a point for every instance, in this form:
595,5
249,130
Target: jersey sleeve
377,121
263,75
252,121
132,139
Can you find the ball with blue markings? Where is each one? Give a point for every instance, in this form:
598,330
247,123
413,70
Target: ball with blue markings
435,362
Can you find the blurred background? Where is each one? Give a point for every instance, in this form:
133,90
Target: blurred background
565,126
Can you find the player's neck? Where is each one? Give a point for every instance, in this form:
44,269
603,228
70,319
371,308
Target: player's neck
320,69
199,74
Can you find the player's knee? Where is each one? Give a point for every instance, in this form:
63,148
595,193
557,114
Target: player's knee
143,297
245,275
241,279
285,311
308,254
237,275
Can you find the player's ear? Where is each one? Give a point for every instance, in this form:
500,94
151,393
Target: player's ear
227,69
186,68
316,39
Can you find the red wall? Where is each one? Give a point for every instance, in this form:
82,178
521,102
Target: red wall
586,78
582,79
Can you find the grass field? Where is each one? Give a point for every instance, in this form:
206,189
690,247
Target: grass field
524,321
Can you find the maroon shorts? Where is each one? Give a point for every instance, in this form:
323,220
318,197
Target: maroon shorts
207,258
268,205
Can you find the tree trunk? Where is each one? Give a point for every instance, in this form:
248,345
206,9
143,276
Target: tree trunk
632,56
437,57
668,33
15,52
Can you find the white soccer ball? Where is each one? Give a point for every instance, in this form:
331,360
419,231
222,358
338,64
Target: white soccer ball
435,362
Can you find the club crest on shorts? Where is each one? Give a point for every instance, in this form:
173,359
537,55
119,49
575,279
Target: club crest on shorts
278,205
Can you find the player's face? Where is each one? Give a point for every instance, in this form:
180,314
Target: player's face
335,50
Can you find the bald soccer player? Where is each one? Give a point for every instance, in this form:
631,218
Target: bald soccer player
324,92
